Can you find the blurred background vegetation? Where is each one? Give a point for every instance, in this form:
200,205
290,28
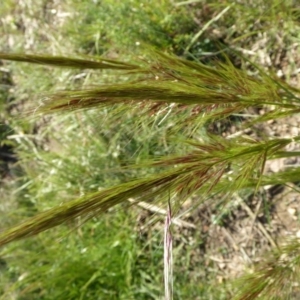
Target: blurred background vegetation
49,160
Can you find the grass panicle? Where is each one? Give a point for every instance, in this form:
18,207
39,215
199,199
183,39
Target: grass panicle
215,165
67,62
169,80
276,277
202,170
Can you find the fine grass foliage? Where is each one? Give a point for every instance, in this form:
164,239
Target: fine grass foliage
140,128
160,24
208,167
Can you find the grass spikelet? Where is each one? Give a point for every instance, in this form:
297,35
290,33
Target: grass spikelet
168,80
275,278
202,170
67,62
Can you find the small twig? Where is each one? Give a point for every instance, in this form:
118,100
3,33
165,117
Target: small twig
254,219
167,114
168,255
238,133
235,246
219,260
196,37
244,51
259,224
156,209
246,256
186,2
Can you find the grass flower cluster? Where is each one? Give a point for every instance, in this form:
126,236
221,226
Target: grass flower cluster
120,134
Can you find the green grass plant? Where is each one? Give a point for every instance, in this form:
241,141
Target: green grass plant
208,167
139,127
156,23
